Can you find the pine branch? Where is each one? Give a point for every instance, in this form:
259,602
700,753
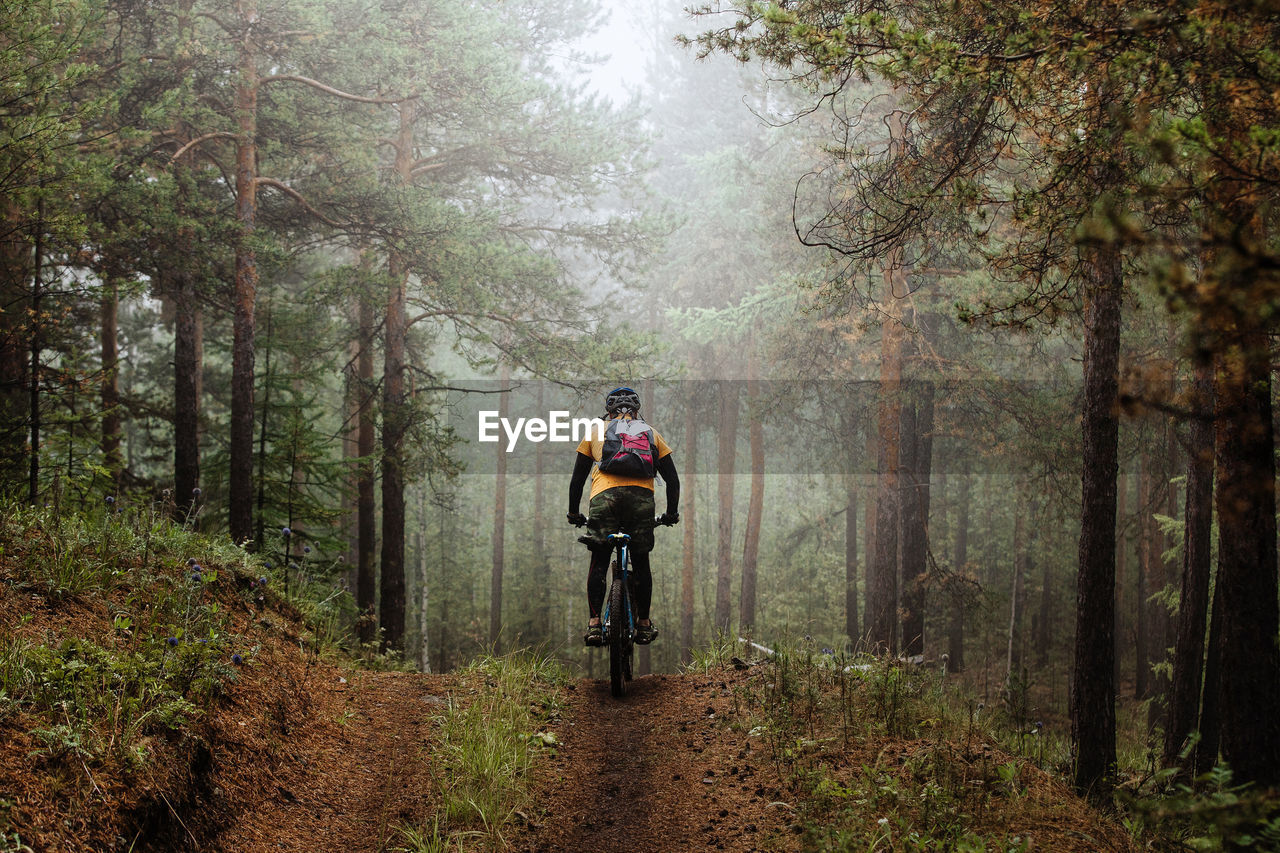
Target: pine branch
316,84
217,134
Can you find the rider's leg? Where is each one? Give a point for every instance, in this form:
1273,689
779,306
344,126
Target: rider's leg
641,585
597,576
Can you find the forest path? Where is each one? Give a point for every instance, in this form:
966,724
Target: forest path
660,769
354,772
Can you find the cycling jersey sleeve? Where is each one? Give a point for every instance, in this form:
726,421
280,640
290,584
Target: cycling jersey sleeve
667,470
581,468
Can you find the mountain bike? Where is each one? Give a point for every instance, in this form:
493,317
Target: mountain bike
618,617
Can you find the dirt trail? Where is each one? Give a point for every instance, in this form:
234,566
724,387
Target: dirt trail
348,777
658,770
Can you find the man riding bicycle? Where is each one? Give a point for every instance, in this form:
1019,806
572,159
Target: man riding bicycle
621,500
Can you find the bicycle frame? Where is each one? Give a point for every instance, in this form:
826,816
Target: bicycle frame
619,628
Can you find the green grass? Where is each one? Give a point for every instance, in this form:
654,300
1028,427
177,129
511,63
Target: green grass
160,652
713,656
882,756
484,750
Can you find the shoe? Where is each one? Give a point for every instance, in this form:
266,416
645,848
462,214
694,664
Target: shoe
594,636
646,634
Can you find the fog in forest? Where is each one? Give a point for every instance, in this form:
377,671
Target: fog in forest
929,325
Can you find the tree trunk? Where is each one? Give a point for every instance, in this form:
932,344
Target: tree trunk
724,541
868,522
1093,721
882,574
1142,610
262,454
1236,287
424,589
1044,624
1247,561
917,442
1122,550
1206,755
111,382
15,269
351,392
1013,656
1161,623
366,505
1188,656
240,483
688,518
499,521
851,556
188,390
395,410
755,506
37,343
955,628
541,562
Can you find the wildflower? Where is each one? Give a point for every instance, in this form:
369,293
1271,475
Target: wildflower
263,580
286,532
196,492
197,577
173,641
306,549
268,564
252,583
237,660
110,500
191,561
293,565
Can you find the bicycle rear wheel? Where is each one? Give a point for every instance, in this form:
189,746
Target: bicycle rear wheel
619,639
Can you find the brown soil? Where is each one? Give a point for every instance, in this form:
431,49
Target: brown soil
661,769
352,773
301,754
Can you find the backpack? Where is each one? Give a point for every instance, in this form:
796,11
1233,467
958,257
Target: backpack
628,449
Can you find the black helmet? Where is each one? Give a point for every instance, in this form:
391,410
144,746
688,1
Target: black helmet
620,399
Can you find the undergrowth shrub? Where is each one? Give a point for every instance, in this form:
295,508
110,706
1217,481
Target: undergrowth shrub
95,688
885,755
485,748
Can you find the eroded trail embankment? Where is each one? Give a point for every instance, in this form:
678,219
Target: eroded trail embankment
658,770
352,773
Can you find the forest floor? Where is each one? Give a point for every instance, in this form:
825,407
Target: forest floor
314,757
669,767
656,770
108,743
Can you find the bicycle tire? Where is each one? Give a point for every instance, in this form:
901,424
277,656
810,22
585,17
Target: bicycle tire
618,639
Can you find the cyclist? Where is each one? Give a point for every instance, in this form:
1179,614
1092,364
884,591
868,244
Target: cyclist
621,504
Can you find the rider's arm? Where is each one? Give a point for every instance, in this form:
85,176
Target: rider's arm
581,468
667,469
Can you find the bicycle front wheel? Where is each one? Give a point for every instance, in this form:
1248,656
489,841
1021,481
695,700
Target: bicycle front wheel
619,639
